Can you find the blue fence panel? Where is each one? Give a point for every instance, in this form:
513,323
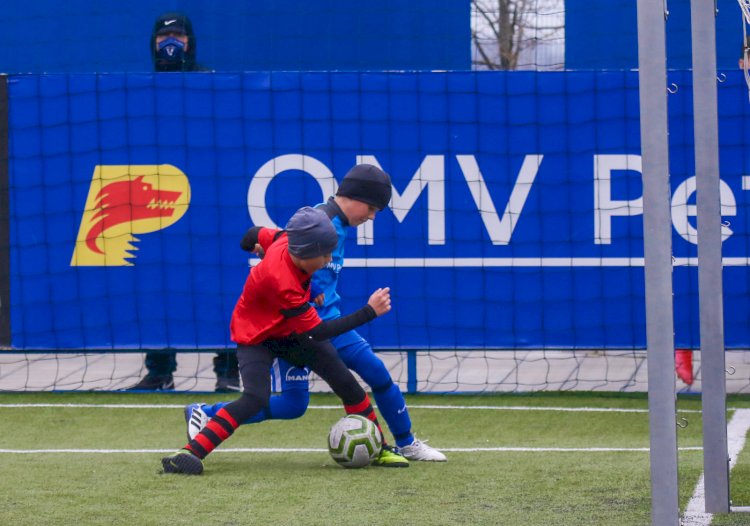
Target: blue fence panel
604,35
493,238
76,36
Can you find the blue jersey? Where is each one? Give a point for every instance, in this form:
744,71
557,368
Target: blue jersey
326,279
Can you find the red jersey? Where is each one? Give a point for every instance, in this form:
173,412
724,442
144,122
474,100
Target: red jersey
274,290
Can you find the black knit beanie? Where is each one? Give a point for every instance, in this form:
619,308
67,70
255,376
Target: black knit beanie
367,183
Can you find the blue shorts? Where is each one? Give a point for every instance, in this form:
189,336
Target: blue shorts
286,376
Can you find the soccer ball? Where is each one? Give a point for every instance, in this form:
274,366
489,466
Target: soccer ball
354,441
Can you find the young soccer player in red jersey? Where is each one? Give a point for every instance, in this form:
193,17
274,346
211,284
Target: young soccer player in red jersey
273,318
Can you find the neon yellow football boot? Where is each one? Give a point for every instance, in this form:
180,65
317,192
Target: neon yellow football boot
388,458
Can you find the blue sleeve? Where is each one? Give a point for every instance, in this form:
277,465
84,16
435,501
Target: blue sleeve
315,289
326,279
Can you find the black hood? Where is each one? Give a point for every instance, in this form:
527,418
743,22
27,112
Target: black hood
174,22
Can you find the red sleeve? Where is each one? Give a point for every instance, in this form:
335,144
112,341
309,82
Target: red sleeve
267,236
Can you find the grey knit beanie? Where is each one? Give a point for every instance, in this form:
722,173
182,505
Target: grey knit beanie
311,233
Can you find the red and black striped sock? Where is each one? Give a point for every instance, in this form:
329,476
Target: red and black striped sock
365,409
218,429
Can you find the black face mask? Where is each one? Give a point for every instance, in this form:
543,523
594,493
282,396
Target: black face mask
170,55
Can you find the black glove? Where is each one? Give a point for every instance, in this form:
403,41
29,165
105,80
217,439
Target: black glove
250,239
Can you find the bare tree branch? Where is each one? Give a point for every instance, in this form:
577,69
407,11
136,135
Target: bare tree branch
503,29
486,61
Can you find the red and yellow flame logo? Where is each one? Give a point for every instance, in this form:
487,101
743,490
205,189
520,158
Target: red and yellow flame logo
123,201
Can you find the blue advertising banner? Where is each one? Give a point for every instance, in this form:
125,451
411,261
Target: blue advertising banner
516,218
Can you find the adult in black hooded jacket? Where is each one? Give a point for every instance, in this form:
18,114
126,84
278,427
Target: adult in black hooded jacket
173,44
173,47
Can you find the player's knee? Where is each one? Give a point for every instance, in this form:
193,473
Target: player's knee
258,399
297,402
376,375
247,405
382,387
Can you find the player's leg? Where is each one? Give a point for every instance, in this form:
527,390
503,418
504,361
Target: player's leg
254,364
326,363
291,385
358,355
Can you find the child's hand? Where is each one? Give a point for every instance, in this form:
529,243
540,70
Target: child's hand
380,301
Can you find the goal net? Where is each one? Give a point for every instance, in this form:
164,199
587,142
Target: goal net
513,243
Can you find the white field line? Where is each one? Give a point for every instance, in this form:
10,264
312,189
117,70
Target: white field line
695,514
323,450
411,406
305,450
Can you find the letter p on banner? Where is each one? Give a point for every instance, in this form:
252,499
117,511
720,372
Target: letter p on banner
125,200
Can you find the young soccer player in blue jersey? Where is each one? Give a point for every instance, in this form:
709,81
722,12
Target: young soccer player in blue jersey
364,191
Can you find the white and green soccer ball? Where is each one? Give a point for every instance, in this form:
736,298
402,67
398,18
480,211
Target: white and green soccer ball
354,441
